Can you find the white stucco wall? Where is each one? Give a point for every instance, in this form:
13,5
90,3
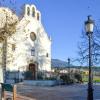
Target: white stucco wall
20,58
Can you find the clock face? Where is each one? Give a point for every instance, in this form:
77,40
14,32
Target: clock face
32,36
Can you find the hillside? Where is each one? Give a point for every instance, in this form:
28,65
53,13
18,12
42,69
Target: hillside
59,63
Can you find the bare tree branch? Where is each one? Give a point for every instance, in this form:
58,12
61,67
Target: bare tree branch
83,47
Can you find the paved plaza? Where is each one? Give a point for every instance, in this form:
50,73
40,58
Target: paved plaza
67,92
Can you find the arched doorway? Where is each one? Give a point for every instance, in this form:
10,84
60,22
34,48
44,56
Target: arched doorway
32,68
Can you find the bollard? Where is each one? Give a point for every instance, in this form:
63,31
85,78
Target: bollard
14,92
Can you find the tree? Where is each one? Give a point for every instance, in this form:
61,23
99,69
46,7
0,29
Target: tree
83,47
15,5
8,21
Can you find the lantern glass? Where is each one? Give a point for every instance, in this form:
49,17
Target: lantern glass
89,27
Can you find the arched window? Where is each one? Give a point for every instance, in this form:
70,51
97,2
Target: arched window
37,16
33,12
28,11
33,52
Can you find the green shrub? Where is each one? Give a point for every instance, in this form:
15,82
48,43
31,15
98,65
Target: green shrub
28,75
40,75
67,78
43,76
51,78
71,78
78,77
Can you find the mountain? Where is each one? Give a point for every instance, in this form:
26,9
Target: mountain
59,63
62,64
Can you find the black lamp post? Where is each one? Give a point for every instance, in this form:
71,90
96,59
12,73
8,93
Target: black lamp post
89,25
69,65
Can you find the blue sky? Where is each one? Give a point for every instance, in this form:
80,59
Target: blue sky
63,21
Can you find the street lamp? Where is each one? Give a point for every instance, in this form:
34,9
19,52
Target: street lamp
68,65
89,25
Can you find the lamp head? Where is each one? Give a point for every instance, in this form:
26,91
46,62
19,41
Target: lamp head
89,25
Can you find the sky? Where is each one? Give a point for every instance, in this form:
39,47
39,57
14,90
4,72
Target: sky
63,20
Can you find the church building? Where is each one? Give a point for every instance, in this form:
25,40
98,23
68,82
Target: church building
29,48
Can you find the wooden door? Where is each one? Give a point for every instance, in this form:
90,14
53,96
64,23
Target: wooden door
32,68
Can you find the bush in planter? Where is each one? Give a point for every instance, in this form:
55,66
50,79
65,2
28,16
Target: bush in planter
67,79
51,78
44,76
78,77
28,75
40,75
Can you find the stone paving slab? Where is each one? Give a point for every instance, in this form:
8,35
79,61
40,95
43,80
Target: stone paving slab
18,97
53,93
71,92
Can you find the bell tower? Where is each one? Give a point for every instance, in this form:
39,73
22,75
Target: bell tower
31,11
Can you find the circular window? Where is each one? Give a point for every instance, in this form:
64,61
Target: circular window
32,36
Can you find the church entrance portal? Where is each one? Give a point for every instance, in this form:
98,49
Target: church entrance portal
32,69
